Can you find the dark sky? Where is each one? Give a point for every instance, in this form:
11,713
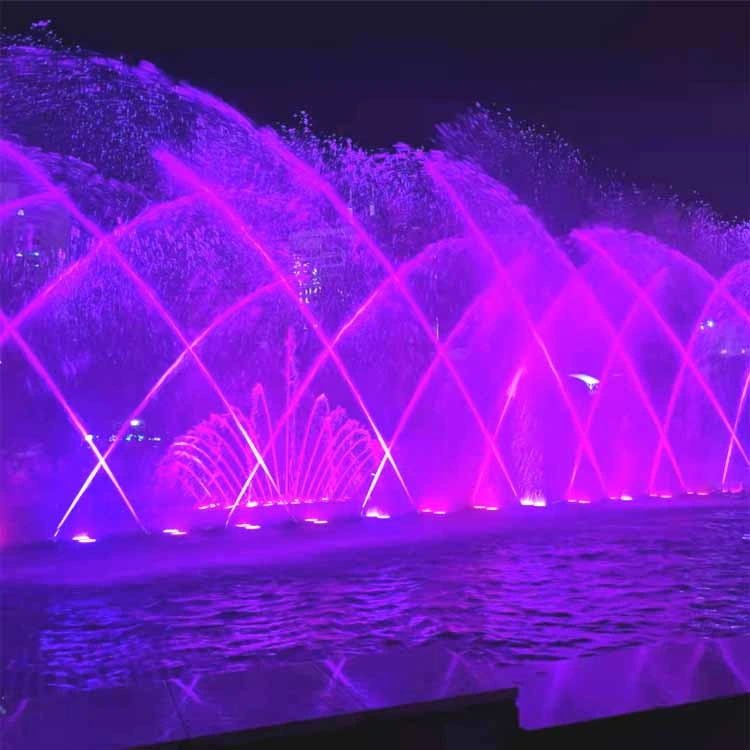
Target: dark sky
657,90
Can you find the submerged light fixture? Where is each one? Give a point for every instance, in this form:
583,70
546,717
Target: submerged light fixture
83,539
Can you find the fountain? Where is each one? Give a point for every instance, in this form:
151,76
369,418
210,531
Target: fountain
211,469
186,294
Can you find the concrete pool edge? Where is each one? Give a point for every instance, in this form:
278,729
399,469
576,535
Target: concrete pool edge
552,694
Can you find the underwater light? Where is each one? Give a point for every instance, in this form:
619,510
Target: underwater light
83,539
375,513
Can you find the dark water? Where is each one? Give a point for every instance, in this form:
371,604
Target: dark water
542,585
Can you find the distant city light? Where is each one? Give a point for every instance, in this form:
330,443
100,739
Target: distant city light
83,539
174,532
588,380
317,521
710,323
248,526
626,498
135,422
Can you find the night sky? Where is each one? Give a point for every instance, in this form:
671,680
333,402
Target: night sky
659,91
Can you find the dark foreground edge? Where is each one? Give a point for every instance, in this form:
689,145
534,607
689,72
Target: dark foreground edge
490,720
482,720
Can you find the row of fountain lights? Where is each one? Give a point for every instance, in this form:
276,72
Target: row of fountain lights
84,538
536,501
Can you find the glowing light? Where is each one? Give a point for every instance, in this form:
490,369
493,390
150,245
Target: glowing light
665,496
248,526
425,510
89,438
584,502
710,323
534,501
479,507
174,532
251,504
20,212
439,513
492,507
83,539
376,513
316,521
626,498
588,380
703,493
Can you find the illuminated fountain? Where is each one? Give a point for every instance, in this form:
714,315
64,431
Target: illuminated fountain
158,248
212,469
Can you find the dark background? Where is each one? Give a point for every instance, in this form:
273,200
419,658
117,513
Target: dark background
657,90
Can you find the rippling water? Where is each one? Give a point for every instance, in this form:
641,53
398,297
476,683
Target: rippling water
543,585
